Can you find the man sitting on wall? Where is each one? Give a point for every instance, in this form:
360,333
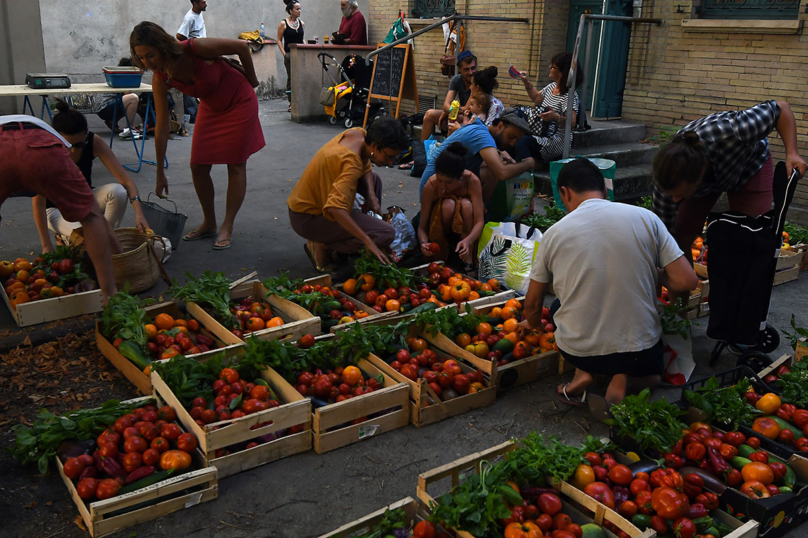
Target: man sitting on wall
459,88
352,29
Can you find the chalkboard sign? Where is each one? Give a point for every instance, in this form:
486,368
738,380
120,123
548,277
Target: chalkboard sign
388,69
393,78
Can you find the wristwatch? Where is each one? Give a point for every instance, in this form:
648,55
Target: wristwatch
134,199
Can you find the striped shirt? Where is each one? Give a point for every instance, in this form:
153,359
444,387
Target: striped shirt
737,146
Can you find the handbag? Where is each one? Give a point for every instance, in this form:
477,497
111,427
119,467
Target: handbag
507,253
327,97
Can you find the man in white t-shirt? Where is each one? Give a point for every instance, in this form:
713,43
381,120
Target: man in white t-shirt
605,261
193,25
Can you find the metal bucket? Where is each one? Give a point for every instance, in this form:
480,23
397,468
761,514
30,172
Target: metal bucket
164,222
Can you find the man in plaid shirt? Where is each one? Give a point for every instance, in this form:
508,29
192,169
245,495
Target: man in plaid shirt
723,152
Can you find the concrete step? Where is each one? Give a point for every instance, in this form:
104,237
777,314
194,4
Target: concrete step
628,154
608,132
630,182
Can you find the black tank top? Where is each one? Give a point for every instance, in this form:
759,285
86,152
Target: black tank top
85,163
290,35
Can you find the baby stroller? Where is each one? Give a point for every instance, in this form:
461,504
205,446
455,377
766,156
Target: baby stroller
351,88
743,261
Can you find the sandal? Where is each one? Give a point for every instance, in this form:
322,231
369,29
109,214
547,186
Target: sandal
196,235
222,244
599,407
319,269
561,394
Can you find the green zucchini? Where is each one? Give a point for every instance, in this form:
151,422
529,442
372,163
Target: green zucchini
332,305
132,351
425,307
786,426
504,345
328,323
738,462
147,481
495,321
406,307
641,521
745,451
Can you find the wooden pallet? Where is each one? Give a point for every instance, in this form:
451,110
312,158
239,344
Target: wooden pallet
425,406
231,347
414,514
373,315
45,310
293,411
170,495
332,426
297,321
575,503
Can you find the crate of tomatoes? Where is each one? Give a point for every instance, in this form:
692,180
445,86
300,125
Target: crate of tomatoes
324,300
351,398
243,309
242,416
131,334
55,285
401,519
123,463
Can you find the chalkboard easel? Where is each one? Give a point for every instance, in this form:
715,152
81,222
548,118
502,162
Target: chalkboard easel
393,77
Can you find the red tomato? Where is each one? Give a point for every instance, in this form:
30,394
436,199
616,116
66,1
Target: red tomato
549,503
187,442
561,521
593,458
135,444
73,468
620,474
602,493
425,529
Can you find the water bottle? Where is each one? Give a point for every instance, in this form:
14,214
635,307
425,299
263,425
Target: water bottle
261,31
454,109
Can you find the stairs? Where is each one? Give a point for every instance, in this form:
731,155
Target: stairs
619,142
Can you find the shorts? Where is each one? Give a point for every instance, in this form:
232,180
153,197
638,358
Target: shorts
113,107
33,159
633,363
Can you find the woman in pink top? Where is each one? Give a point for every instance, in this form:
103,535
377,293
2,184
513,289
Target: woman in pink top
227,129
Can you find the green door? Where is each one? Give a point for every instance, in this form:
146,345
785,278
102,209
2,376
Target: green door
608,54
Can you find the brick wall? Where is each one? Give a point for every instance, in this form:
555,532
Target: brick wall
676,76
526,46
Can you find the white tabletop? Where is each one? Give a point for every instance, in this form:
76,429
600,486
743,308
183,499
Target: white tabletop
98,87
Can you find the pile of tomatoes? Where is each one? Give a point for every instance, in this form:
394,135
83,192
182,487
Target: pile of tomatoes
542,517
445,378
499,340
169,337
27,282
335,308
132,450
782,422
253,316
390,299
330,386
234,398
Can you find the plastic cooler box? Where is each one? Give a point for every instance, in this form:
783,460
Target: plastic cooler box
123,77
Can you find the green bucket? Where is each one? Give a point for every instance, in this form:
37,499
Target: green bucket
607,167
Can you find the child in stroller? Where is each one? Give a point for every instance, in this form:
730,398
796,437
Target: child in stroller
350,90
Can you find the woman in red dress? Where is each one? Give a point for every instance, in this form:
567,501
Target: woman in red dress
227,129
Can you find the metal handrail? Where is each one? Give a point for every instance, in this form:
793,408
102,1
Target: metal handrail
455,17
574,65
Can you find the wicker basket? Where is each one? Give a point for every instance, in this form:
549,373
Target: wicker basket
138,264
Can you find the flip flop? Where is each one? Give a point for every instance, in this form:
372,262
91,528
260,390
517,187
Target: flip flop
319,269
570,400
196,235
599,407
223,244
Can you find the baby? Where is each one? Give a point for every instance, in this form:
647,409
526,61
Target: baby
478,105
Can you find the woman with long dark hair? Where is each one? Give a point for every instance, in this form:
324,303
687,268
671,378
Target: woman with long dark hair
111,198
290,30
227,129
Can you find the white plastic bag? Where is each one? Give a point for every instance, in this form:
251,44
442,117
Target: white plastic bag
508,253
679,363
405,234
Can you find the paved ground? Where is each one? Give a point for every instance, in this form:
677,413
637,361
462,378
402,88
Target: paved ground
306,495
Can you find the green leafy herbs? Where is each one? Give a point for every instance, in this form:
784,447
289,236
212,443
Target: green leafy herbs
672,323
448,321
123,317
39,443
289,360
391,520
652,424
477,505
211,290
282,284
794,385
386,275
799,332
645,202
539,458
797,235
552,214
723,405
189,379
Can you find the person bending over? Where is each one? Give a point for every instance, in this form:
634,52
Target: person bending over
112,198
605,261
321,203
452,208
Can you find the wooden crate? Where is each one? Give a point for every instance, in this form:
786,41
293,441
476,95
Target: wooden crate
102,517
373,315
45,310
786,275
231,347
339,415
297,321
293,411
701,270
789,259
574,502
414,514
422,412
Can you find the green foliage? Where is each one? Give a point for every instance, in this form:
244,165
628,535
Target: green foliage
672,323
123,317
724,405
189,379
539,458
799,332
392,520
665,135
797,235
653,424
552,214
645,202
448,321
283,287
794,385
40,442
386,275
210,289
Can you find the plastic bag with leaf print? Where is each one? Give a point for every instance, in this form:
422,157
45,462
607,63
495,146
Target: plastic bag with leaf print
507,253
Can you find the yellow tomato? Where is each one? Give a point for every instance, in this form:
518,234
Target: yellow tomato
768,403
584,475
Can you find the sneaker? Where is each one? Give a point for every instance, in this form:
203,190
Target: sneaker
128,133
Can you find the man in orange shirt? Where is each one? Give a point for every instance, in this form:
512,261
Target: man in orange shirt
324,195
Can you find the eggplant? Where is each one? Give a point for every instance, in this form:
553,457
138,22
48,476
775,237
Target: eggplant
401,533
74,449
644,466
710,481
621,494
317,403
